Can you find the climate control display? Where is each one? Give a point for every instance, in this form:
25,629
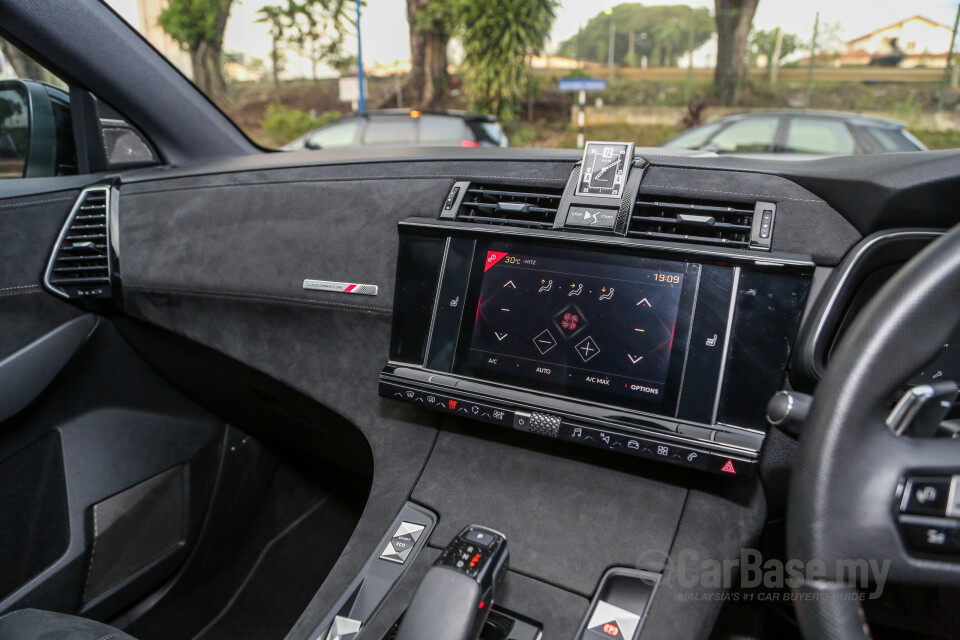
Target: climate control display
587,322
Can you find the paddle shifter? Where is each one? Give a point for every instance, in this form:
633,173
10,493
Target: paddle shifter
455,596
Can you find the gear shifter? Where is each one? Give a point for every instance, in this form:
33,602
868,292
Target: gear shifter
455,596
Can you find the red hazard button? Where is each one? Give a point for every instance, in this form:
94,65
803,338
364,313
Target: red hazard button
728,467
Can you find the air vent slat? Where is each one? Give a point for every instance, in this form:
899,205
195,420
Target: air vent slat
81,257
697,221
528,207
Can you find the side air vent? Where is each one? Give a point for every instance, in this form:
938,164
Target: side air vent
532,207
704,222
80,264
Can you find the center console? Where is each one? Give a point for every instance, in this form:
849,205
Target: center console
663,351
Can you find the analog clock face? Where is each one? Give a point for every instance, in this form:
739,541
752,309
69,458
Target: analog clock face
605,168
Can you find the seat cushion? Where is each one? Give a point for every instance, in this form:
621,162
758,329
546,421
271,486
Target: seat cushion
33,624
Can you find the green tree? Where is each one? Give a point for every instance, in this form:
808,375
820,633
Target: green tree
660,33
198,27
765,43
432,23
279,21
734,20
498,36
316,28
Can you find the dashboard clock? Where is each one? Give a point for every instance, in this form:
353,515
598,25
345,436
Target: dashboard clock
605,168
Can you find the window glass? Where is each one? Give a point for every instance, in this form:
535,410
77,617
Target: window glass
750,135
439,130
336,135
400,130
892,139
41,143
694,138
820,136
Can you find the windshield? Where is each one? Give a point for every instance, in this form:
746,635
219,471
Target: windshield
817,78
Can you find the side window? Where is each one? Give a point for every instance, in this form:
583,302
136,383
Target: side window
36,132
819,136
751,135
443,131
390,131
694,138
336,135
892,139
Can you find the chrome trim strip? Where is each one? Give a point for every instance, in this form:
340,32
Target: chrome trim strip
726,343
686,355
63,232
841,277
436,302
907,408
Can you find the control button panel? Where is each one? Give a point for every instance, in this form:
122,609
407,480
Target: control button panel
448,404
402,542
594,217
619,440
655,450
929,508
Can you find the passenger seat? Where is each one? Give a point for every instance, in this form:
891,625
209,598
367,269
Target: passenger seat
33,624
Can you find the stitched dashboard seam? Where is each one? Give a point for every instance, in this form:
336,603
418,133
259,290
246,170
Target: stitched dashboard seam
34,202
259,296
21,292
19,286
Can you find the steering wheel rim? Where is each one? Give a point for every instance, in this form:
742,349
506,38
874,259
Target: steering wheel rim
844,484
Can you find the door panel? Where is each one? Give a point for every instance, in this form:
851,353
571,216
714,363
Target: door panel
105,470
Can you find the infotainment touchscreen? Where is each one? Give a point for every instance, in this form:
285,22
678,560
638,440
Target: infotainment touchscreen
593,325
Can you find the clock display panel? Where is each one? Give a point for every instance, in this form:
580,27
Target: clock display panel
605,168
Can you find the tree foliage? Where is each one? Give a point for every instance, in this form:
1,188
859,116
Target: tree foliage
497,37
765,43
734,21
661,33
198,27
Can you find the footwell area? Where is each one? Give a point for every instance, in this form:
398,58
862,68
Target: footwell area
275,566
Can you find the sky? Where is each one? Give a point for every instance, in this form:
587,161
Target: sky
386,38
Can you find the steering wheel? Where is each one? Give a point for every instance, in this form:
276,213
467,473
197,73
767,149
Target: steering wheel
843,491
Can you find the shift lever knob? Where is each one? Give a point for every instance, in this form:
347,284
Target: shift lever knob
454,598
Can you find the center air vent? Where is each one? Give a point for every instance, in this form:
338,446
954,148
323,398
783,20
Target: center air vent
80,264
532,207
700,221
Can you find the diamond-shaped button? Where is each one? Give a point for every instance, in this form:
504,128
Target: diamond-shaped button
402,543
545,341
587,349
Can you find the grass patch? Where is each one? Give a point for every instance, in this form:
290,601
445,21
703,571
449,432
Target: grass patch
938,139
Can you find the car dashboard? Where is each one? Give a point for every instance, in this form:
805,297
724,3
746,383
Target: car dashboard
576,350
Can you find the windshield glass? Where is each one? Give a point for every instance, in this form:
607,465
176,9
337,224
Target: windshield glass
842,76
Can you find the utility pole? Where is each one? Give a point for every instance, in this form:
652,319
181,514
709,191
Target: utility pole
362,102
946,71
813,56
613,36
774,61
691,38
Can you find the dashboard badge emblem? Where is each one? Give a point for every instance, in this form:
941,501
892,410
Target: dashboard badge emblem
341,287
